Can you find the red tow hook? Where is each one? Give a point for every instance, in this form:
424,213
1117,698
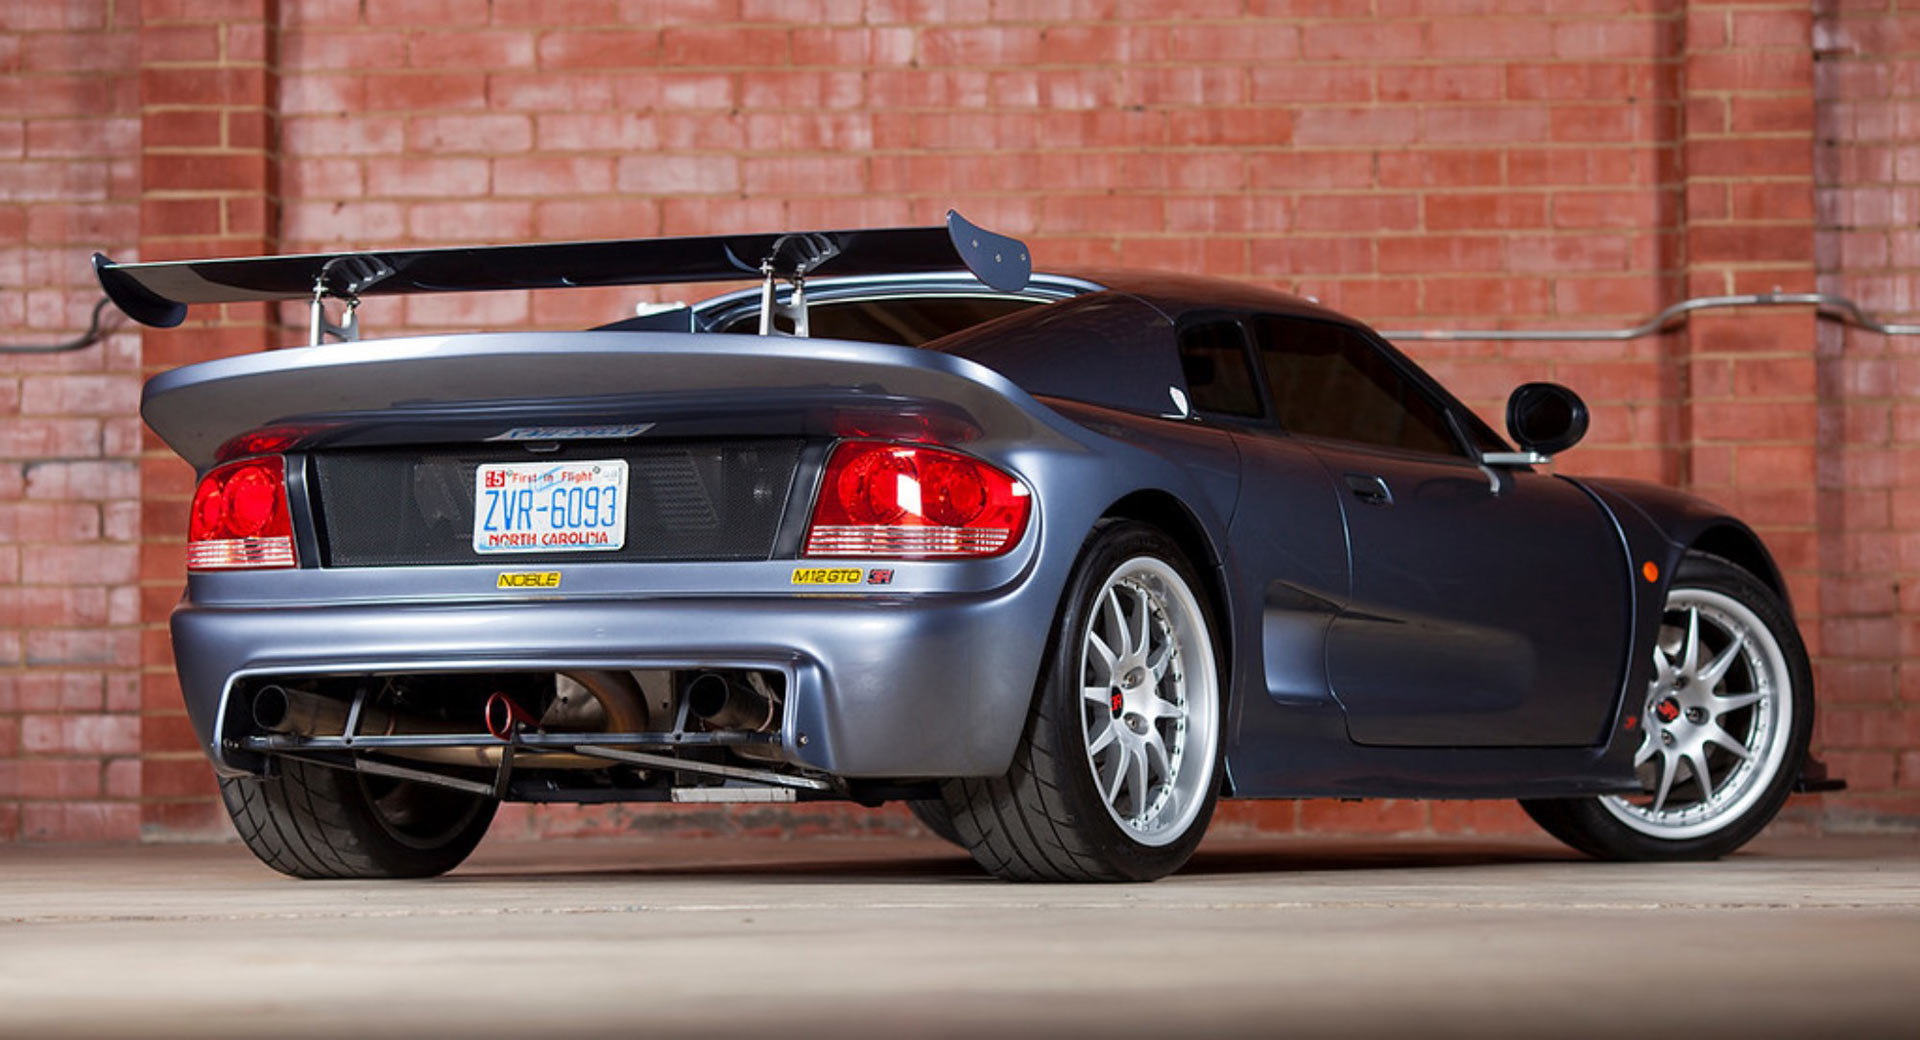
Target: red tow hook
505,716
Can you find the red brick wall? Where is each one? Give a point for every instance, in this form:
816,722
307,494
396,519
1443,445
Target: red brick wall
69,485
209,133
1433,163
1868,200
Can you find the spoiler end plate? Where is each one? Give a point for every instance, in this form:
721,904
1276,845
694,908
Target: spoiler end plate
135,300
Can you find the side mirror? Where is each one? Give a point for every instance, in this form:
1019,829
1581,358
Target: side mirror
1545,419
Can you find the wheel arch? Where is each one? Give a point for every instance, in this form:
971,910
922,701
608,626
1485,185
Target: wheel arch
1738,545
1688,522
1165,512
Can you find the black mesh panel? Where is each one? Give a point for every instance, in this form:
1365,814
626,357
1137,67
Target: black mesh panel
688,500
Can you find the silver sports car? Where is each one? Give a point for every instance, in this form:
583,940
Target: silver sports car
1057,560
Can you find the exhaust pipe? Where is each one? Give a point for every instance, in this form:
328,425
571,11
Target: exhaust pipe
727,704
503,715
277,709
620,695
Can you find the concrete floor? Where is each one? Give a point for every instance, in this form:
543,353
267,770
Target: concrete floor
828,938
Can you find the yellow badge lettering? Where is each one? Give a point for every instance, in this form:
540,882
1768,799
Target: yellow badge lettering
828,575
528,580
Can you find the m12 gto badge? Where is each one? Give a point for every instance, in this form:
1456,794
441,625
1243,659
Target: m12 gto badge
827,575
841,576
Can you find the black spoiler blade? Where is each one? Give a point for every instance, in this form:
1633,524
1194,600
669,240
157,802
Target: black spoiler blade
158,294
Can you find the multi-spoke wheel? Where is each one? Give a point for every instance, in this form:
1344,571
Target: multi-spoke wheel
1725,720
1136,716
1720,694
1116,776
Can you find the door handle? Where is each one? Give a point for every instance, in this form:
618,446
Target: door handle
1369,489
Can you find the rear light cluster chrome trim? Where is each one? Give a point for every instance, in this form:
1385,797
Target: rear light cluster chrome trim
227,554
878,540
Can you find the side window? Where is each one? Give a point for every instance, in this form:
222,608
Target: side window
1328,381
1213,357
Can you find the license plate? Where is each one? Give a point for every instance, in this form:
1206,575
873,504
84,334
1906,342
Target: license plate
544,507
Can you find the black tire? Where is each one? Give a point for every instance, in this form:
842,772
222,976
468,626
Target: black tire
1618,829
933,815
1046,820
310,821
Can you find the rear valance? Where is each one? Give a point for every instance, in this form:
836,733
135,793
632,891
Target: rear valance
158,294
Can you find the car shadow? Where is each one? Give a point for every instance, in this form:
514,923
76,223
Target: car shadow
918,861
1293,857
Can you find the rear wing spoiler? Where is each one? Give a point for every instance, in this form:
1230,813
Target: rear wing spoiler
158,294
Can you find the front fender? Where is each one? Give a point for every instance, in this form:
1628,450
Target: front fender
1690,522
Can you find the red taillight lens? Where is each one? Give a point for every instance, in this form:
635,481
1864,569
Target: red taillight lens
270,441
239,518
908,500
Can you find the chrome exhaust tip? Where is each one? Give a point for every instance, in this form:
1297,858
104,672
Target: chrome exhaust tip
730,704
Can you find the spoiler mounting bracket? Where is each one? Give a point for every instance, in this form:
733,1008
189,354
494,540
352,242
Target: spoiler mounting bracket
791,257
343,278
319,327
794,310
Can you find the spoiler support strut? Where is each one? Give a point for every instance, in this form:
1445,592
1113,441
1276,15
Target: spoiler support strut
344,277
810,251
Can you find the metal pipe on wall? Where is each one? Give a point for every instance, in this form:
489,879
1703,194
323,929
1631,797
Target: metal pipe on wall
1828,305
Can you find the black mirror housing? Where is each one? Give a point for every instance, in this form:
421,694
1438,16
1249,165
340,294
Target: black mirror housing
1546,418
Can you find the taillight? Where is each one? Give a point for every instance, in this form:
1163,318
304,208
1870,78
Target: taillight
239,518
909,500
270,441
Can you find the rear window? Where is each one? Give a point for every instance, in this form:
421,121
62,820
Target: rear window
904,321
1103,348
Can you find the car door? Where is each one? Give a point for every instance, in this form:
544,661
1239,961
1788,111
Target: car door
1487,608
1288,535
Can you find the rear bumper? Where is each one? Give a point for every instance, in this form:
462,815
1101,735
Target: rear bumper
880,687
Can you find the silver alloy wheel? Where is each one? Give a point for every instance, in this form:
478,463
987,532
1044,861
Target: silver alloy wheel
1150,700
1717,718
